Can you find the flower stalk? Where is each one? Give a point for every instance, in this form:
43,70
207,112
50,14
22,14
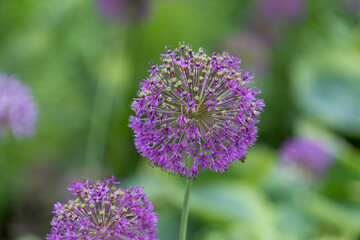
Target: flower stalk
185,210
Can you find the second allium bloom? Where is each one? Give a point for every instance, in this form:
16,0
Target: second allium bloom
196,111
100,210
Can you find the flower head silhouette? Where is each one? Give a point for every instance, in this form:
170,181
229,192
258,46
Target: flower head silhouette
195,111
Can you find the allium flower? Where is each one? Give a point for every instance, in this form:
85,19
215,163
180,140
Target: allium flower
123,10
17,108
309,154
102,211
195,110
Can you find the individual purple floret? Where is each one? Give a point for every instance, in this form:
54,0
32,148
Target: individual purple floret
307,153
195,110
123,10
99,210
18,111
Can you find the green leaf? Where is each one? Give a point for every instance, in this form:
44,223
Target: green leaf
345,219
327,87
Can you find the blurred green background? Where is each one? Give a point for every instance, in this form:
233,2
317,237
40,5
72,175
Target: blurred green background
84,67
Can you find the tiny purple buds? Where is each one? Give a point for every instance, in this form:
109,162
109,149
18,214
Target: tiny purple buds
195,111
102,211
18,110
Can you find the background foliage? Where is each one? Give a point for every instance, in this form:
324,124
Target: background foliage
84,70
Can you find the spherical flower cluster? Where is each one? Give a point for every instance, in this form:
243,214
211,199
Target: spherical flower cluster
102,211
18,110
195,111
307,153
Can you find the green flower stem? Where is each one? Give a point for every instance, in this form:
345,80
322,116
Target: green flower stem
185,210
109,78
99,122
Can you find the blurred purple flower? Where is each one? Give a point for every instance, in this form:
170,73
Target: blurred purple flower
18,110
273,15
195,111
123,10
102,211
309,154
280,11
252,49
353,6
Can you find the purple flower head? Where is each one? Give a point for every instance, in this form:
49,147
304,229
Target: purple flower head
196,111
123,10
310,154
18,110
102,211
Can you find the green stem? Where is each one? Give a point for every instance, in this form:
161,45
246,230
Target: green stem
106,92
185,210
100,118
